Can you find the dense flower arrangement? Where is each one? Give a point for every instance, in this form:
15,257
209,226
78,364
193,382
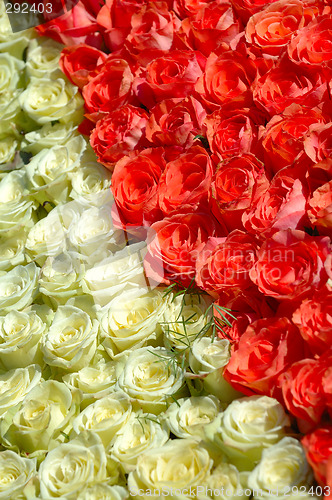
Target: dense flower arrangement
215,119
115,387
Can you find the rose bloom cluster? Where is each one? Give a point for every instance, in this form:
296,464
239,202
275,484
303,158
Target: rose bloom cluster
215,119
94,402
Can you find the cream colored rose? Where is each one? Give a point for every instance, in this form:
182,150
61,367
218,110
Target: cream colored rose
131,319
13,43
8,147
12,250
70,342
48,171
15,384
91,181
247,427
60,278
72,466
42,420
122,271
208,358
282,466
96,381
16,215
15,474
10,111
46,238
188,417
222,482
13,186
49,135
151,379
43,58
105,417
47,100
92,234
18,287
20,335
142,433
184,320
104,492
179,464
10,72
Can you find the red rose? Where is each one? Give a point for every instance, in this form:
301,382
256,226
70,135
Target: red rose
318,447
231,134
283,138
287,83
320,211
109,89
291,264
134,186
184,8
152,31
272,28
246,8
224,263
314,320
78,61
115,17
212,26
175,122
186,180
303,392
227,81
171,76
318,141
119,133
265,350
233,187
312,45
178,241
281,206
74,27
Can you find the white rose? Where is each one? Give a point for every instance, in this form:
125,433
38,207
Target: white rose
43,58
122,271
104,492
47,100
70,342
13,43
60,278
9,111
188,417
15,384
13,187
246,427
131,319
184,320
105,417
20,335
46,238
15,474
151,379
49,135
8,147
10,72
92,234
223,481
282,466
142,433
208,358
73,466
15,216
96,381
48,171
91,181
12,250
43,418
179,464
18,287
